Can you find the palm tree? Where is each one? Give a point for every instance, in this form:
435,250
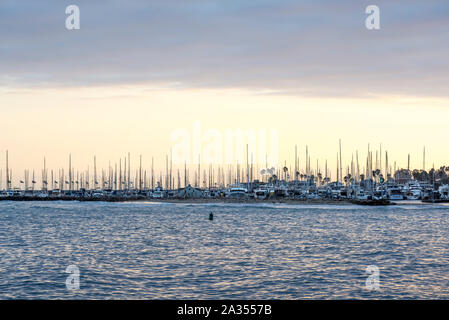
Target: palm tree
285,169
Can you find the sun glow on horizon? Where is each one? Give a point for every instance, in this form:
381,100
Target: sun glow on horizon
110,121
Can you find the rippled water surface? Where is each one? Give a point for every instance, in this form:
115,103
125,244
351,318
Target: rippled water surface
172,251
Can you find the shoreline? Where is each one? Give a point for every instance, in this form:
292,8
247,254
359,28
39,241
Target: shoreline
196,201
179,200
251,201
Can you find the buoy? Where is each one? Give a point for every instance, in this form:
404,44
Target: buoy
211,216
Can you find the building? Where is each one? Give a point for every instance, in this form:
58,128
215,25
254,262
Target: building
190,192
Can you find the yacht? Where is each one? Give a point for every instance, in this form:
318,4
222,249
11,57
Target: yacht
444,192
237,192
361,195
158,193
395,193
413,194
261,193
97,194
413,190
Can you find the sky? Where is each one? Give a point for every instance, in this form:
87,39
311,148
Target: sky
136,73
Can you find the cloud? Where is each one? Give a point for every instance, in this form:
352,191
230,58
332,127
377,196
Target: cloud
309,48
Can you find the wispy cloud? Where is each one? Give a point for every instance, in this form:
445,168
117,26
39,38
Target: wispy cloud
310,48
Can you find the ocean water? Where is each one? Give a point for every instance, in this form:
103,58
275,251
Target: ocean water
172,251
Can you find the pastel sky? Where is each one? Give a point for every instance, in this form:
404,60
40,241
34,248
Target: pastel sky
139,70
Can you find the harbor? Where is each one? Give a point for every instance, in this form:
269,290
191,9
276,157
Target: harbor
224,159
376,183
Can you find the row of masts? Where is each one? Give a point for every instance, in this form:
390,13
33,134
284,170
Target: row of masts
120,176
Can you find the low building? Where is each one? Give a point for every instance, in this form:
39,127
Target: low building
190,192
402,176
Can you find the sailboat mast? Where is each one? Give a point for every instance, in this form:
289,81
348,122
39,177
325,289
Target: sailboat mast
70,172
341,166
172,184
140,173
408,162
95,172
8,182
424,159
129,169
296,162
152,172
